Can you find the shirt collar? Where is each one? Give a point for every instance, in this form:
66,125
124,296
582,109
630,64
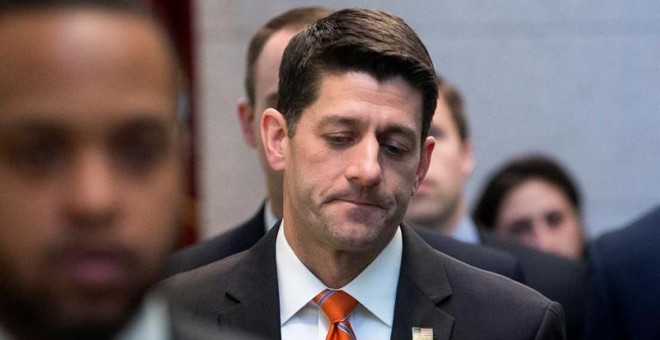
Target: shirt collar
150,322
297,285
375,288
466,231
269,217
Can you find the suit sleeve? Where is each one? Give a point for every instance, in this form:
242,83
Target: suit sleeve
553,325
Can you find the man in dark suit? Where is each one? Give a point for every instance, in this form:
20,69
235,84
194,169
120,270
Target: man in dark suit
264,56
357,93
625,298
439,206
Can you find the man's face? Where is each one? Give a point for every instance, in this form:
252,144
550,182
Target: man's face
354,162
540,215
89,165
440,195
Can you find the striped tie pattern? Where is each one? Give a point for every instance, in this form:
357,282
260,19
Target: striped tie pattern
337,305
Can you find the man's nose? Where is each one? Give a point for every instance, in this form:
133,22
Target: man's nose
544,238
364,166
91,190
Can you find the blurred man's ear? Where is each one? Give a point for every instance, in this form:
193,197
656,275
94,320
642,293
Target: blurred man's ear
246,117
424,162
274,138
467,163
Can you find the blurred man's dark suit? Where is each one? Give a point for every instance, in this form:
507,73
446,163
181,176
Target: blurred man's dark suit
625,297
559,279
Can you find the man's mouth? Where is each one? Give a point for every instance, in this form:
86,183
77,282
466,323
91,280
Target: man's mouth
362,203
94,268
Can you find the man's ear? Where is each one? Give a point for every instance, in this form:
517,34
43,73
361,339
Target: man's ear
424,162
467,162
274,138
247,117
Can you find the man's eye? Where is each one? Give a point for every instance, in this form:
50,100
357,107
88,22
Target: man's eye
521,228
436,132
37,156
141,150
554,219
394,149
338,139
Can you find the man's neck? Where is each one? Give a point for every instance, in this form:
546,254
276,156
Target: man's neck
448,223
275,198
334,268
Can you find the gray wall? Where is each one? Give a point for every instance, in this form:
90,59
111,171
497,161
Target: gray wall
575,79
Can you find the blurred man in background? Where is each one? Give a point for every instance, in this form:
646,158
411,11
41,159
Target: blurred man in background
440,205
625,298
261,80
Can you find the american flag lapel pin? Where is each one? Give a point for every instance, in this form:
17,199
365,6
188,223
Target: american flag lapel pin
419,333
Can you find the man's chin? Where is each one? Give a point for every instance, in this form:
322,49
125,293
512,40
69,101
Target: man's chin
72,316
360,236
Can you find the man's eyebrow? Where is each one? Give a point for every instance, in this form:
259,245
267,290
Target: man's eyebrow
402,130
50,125
339,120
54,125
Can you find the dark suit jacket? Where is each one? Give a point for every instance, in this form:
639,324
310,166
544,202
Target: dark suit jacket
185,326
559,279
625,297
246,235
457,300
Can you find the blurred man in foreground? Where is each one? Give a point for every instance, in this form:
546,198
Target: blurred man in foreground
90,169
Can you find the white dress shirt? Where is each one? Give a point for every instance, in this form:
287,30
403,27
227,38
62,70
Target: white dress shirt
466,231
151,321
374,289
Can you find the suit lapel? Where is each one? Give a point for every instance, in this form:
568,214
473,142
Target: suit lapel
253,293
423,284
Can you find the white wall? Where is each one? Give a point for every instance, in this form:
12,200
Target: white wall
576,79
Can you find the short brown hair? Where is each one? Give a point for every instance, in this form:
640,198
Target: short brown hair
295,18
363,40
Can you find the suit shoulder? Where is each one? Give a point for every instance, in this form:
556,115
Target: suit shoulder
639,237
468,279
483,257
199,286
495,304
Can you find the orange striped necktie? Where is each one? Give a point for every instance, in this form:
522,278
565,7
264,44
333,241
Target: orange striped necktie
337,305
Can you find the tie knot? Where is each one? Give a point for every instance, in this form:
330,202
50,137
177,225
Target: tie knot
336,304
